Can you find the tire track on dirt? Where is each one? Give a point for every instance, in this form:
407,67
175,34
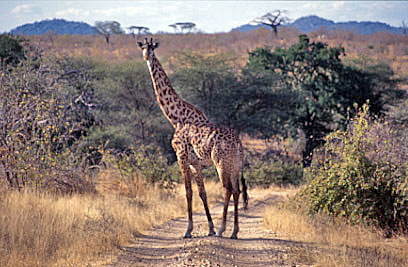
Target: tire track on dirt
164,245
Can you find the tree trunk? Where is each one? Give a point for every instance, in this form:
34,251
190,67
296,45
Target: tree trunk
308,153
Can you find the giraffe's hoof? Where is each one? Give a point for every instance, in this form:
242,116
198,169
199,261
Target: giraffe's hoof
187,235
234,237
211,233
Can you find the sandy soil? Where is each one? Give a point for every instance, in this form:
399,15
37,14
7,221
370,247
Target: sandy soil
164,245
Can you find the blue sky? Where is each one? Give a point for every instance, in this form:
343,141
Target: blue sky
209,16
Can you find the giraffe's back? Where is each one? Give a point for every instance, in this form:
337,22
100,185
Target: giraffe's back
212,143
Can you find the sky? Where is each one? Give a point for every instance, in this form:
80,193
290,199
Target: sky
209,16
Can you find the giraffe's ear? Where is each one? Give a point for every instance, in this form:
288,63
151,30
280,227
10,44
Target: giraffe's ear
140,44
156,45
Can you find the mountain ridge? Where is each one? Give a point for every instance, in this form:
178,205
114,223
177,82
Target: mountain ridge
310,23
57,26
304,24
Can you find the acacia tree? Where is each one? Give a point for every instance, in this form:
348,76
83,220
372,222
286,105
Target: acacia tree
273,20
187,26
324,88
140,30
108,28
183,27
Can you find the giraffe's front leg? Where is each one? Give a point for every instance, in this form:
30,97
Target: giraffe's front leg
182,152
196,170
189,197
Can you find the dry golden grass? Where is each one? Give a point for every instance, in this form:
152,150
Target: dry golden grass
332,244
382,47
40,229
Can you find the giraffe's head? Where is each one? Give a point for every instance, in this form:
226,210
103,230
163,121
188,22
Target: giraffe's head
148,48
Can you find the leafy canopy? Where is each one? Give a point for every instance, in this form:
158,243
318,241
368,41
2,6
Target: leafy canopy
323,87
245,100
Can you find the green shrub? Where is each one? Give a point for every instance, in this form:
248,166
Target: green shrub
11,51
146,162
353,185
265,173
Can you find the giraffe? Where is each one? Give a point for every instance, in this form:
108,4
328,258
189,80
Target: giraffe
198,143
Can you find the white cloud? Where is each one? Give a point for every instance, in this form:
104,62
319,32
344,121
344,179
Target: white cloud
338,5
312,6
73,12
156,17
25,9
117,13
20,9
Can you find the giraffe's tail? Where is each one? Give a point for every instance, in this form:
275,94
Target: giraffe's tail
244,191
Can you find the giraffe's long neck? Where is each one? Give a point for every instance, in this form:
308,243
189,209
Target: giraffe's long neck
176,110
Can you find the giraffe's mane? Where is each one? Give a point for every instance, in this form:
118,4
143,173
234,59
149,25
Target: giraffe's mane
195,109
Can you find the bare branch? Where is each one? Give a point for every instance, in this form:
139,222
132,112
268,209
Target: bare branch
272,19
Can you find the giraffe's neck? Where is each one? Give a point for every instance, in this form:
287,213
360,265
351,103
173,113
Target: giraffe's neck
176,110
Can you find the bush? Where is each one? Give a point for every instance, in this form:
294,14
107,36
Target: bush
145,162
11,51
127,111
265,173
39,126
356,186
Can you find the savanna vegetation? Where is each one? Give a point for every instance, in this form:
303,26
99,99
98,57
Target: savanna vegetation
85,152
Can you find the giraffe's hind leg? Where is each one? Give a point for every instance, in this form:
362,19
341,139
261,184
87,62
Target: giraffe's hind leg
224,172
196,170
236,227
236,192
228,169
227,197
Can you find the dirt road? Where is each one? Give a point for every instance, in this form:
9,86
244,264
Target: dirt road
164,245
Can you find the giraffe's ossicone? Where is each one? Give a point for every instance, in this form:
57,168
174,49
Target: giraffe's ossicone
198,143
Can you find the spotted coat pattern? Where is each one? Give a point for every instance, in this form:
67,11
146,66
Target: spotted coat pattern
197,143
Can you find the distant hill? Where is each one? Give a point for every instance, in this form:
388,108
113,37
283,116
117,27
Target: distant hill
59,26
248,27
314,23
